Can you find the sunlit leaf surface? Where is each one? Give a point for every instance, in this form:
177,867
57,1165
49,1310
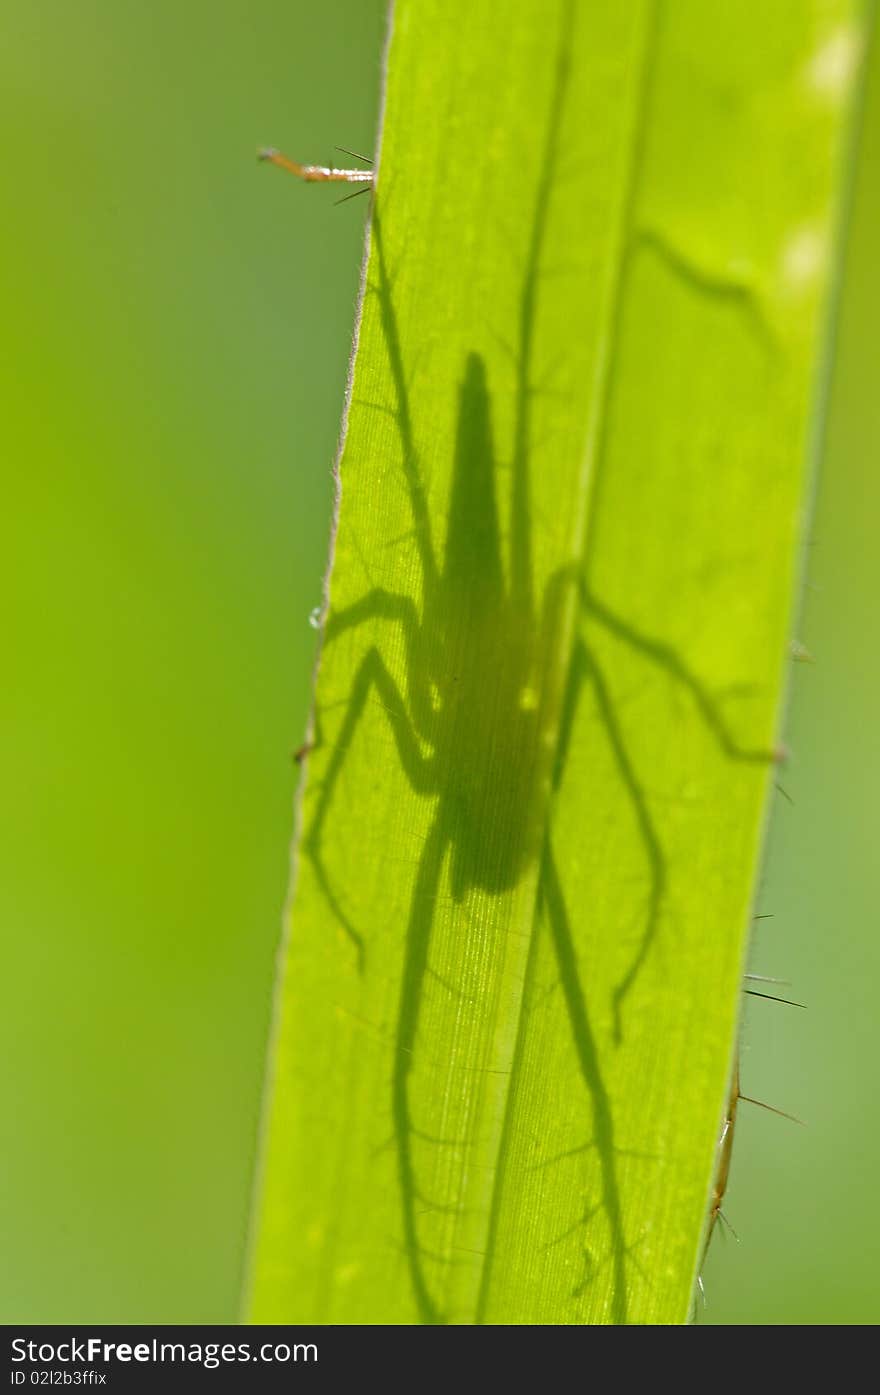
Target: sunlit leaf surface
573,494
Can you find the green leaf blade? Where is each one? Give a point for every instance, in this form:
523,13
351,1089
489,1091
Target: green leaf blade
572,491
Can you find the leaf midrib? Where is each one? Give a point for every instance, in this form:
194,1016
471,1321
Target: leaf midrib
602,389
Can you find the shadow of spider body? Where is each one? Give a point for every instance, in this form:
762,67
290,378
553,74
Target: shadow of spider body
468,723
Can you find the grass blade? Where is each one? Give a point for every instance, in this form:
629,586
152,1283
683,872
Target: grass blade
573,493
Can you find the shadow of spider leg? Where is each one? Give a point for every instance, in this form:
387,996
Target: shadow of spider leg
665,657
668,658
415,965
585,669
647,833
371,676
588,1062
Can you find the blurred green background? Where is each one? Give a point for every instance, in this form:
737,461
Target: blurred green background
177,325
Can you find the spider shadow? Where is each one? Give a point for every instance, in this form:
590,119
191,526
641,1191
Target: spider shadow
471,747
